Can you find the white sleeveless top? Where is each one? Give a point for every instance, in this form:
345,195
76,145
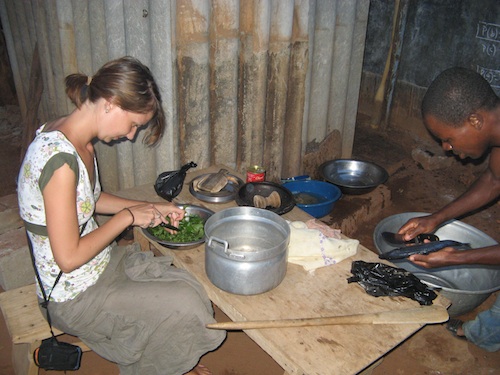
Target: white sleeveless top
48,152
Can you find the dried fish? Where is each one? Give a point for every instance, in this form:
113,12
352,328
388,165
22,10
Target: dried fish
273,200
259,201
213,182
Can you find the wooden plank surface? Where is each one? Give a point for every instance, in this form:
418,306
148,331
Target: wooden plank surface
307,350
23,317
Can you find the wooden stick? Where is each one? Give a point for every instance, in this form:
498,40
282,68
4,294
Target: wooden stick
421,315
380,94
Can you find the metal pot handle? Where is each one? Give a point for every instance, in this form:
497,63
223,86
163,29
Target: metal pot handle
226,247
223,242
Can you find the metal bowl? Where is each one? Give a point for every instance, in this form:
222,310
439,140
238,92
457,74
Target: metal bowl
317,198
353,176
465,286
190,209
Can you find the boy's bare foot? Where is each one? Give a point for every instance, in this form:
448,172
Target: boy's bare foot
455,327
199,370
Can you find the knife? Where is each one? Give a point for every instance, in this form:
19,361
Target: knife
397,239
168,226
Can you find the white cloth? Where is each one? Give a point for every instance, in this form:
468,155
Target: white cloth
311,249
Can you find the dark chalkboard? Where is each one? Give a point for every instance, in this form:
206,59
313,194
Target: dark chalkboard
439,34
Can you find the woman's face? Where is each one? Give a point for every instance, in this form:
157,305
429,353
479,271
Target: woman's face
464,141
122,124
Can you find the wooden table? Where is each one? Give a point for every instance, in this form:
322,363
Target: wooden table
308,350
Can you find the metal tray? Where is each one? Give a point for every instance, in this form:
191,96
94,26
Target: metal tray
225,195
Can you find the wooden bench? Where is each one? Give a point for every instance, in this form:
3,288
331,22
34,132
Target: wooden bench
27,327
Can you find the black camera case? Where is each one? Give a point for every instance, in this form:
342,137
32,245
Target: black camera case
55,355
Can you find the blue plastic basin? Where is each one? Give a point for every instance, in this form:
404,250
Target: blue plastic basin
317,198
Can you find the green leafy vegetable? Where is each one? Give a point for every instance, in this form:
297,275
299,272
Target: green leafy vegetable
191,229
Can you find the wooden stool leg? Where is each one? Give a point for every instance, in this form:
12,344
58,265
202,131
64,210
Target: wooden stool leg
22,358
33,369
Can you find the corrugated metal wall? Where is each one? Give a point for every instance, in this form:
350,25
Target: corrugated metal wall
244,82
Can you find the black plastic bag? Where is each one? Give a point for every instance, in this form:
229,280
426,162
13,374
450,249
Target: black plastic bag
380,279
168,185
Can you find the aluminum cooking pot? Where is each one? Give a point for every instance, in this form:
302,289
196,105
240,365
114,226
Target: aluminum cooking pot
246,250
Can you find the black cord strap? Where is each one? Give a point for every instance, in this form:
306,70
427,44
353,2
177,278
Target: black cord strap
45,303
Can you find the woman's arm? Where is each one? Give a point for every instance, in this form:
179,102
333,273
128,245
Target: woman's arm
70,251
111,204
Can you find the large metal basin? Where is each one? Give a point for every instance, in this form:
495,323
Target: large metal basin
465,286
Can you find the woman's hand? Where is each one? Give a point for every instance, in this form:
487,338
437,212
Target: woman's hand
174,213
152,214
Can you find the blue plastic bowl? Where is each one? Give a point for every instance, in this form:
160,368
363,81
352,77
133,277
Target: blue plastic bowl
317,198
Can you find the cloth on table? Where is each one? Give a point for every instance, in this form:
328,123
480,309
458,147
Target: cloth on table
312,249
323,228
144,314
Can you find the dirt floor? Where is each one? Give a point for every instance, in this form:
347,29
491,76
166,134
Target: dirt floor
432,350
